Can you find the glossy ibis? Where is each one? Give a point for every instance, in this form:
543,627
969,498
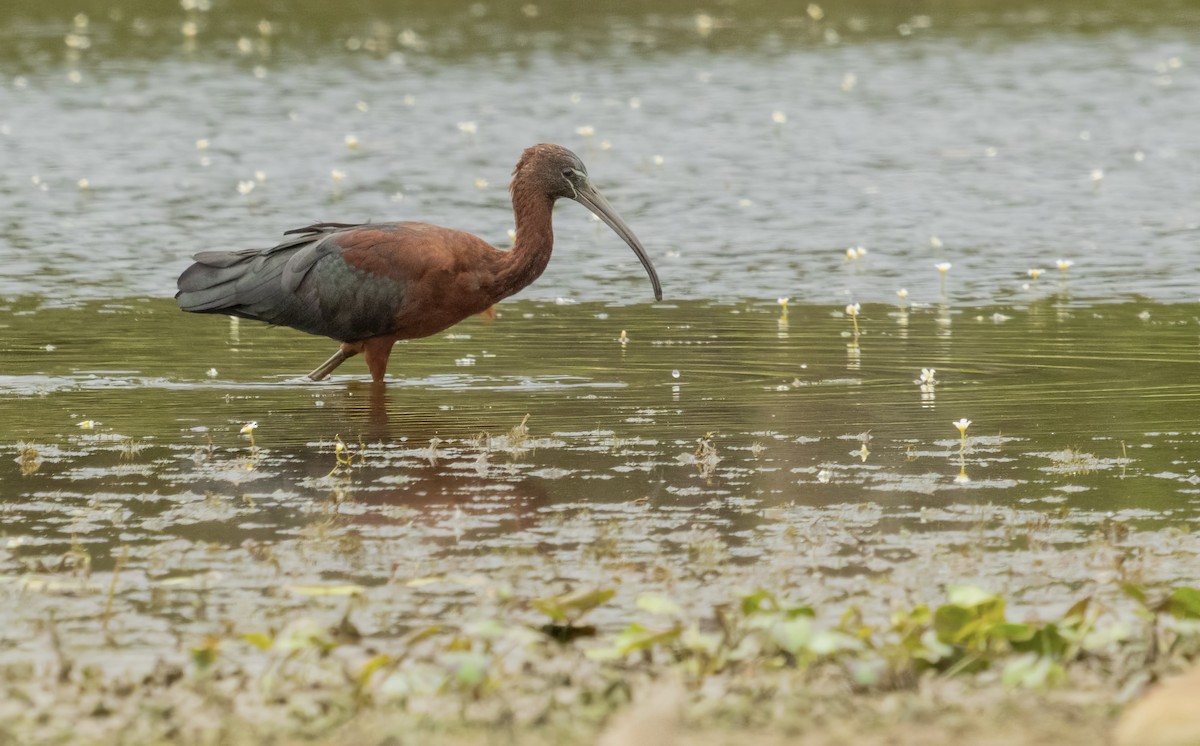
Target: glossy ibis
370,285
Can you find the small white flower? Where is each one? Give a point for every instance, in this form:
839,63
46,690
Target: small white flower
87,424
481,183
783,301
468,128
1034,273
903,293
337,175
851,254
211,372
935,242
860,252
778,117
249,428
1064,264
245,187
352,142
585,131
962,425
927,377
853,309
943,267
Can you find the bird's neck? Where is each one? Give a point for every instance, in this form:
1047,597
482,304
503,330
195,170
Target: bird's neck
535,240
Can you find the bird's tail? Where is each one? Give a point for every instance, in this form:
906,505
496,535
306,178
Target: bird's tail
327,367
226,282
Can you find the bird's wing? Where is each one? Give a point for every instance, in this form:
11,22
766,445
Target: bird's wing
348,282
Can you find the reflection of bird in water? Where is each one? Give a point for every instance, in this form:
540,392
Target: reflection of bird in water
369,286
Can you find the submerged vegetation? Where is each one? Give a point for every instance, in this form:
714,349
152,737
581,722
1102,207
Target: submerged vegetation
758,660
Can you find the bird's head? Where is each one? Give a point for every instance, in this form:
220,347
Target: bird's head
557,172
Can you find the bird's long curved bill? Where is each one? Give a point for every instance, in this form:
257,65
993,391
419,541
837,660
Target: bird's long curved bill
588,196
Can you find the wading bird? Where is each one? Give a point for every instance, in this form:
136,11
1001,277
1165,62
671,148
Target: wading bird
371,285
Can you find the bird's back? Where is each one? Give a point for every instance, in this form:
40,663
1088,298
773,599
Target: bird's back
302,282
347,282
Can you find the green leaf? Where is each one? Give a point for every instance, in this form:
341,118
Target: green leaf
605,654
868,673
325,590
831,642
700,642
792,612
1078,613
764,602
260,640
370,667
1136,593
1047,642
968,596
1012,631
419,635
1183,603
1032,671
485,629
759,601
950,622
932,650
470,669
571,606
205,654
303,634
635,637
793,635
656,603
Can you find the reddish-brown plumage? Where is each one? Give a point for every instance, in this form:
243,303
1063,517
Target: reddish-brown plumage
370,286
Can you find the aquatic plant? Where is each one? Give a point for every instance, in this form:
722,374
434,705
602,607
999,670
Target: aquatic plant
705,456
943,268
852,311
343,458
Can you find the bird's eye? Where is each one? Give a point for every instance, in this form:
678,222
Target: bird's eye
568,172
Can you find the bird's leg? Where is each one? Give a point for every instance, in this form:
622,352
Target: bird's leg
377,350
344,353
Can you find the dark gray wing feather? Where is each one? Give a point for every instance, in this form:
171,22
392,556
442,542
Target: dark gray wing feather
303,282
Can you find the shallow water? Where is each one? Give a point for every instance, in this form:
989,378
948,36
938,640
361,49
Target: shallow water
750,463
723,446
985,126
